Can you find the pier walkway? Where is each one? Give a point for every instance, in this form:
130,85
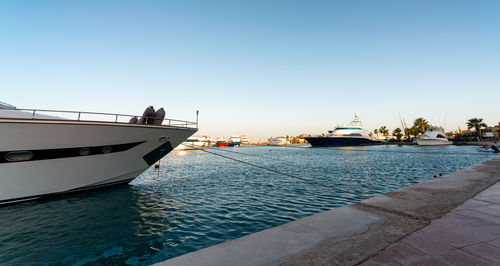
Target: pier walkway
468,235
454,219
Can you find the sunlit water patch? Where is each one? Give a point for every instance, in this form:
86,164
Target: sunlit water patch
197,199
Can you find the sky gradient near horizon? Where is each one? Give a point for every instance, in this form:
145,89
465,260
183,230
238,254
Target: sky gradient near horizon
260,68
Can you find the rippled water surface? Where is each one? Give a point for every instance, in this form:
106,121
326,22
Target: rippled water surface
197,199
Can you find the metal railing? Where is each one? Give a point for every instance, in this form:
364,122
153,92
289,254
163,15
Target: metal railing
113,118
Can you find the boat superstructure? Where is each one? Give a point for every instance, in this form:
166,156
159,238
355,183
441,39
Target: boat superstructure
433,136
244,140
353,134
278,141
194,143
43,155
234,141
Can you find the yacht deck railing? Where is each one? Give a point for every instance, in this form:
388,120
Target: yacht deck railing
99,117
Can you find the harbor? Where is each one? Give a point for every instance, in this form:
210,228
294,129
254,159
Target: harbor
195,200
249,133
451,220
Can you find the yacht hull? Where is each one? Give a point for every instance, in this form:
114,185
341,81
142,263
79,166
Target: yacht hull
339,141
433,142
116,154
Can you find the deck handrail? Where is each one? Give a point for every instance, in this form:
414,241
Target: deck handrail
171,122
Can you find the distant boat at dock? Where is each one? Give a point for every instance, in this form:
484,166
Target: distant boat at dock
354,134
244,140
434,136
234,141
221,142
193,143
278,141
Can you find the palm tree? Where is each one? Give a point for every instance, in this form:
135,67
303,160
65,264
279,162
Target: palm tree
476,123
414,130
375,132
421,124
384,131
397,132
407,133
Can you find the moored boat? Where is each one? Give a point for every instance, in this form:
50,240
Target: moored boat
433,136
278,141
244,140
234,141
44,155
193,143
221,142
354,134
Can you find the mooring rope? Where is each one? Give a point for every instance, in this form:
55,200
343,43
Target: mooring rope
361,150
285,174
264,157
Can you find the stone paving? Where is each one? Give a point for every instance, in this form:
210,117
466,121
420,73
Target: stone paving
468,235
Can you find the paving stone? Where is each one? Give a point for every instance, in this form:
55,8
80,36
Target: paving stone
403,252
381,259
495,243
458,258
480,215
490,210
426,261
473,203
429,243
486,251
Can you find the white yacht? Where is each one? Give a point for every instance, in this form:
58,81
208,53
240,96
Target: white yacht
234,141
244,140
43,155
193,143
278,141
432,137
353,134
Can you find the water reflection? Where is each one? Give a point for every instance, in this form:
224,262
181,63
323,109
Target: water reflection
196,200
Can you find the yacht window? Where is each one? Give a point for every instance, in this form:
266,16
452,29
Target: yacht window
440,136
84,151
106,149
17,156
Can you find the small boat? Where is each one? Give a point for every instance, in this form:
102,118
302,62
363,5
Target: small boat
434,136
353,134
488,148
278,141
221,142
234,141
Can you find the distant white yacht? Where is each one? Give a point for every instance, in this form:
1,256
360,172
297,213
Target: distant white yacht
193,143
244,140
432,137
234,141
278,141
353,134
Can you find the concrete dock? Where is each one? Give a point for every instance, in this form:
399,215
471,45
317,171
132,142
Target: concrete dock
444,221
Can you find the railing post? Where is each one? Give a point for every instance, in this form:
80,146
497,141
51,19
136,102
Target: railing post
34,114
79,113
116,119
197,113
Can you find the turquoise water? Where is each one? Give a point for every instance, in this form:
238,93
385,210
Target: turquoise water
197,200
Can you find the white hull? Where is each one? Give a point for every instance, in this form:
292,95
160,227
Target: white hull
433,142
46,176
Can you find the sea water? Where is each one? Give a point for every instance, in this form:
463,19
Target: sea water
197,199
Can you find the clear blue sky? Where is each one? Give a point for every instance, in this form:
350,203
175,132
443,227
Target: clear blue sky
259,68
